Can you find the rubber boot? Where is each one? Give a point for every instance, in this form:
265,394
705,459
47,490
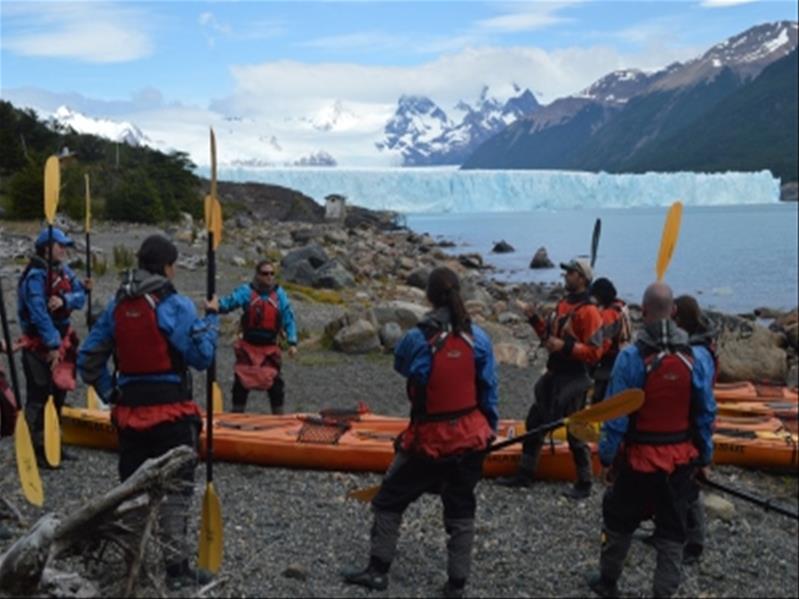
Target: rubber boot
525,474
668,570
460,533
695,532
385,534
614,550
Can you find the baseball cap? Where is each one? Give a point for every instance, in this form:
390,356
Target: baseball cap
579,265
58,237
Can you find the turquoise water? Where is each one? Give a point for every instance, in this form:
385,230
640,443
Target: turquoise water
733,258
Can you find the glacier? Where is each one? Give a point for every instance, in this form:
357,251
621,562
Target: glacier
447,189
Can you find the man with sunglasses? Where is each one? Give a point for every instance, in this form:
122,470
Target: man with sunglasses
266,312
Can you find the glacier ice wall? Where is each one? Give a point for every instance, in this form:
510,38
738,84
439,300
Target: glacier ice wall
418,190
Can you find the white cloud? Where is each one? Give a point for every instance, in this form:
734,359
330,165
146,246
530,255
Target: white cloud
90,32
723,3
528,16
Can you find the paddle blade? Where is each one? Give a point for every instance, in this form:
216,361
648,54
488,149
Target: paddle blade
52,187
92,401
216,398
88,225
211,534
213,218
52,434
621,404
595,240
585,431
27,468
668,241
364,495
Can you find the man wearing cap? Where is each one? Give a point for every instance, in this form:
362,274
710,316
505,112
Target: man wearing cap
151,391
49,344
572,335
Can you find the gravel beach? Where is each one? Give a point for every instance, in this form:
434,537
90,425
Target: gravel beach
289,532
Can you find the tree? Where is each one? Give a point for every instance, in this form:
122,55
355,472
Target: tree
26,191
135,199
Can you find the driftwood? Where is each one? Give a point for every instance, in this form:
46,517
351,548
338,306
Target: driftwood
124,517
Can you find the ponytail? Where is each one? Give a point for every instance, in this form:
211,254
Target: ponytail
443,291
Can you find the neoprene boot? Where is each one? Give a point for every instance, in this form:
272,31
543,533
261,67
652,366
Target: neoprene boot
460,539
374,576
668,570
524,476
612,555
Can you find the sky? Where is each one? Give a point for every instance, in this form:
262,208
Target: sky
282,80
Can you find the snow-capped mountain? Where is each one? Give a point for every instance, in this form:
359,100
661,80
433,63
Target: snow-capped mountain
423,134
116,131
617,87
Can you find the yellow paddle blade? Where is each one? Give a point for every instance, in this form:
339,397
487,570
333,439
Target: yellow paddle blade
211,534
217,398
668,241
27,468
364,495
620,404
92,401
213,218
585,431
88,225
213,165
52,187
52,434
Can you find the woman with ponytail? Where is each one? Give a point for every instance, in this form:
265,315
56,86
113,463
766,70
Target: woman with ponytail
452,387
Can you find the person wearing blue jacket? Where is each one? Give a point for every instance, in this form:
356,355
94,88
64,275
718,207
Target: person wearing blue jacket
266,313
653,453
49,343
452,387
154,335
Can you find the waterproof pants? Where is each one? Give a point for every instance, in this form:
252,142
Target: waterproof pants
137,446
628,502
407,479
38,387
276,393
557,395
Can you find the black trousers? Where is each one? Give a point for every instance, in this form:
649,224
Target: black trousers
38,387
135,447
277,395
411,476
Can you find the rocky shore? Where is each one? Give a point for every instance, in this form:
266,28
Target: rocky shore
356,286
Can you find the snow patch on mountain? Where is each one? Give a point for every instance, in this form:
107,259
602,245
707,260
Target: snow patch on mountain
123,131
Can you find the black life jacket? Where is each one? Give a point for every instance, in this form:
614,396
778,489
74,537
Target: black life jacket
665,417
142,350
262,321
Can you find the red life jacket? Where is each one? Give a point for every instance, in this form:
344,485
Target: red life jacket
261,322
445,419
665,417
59,286
142,349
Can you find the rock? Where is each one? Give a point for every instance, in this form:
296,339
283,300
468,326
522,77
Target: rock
303,236
311,253
390,335
336,236
295,571
718,506
407,263
333,276
789,192
503,247
472,290
357,338
471,260
300,272
507,318
477,307
185,220
541,259
748,351
406,314
243,221
238,261
511,353
184,235
418,277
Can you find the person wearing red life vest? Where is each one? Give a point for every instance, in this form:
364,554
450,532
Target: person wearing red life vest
653,453
49,343
266,313
452,387
616,332
154,336
573,337
702,337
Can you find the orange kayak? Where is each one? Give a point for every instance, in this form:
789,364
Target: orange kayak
746,391
364,442
786,411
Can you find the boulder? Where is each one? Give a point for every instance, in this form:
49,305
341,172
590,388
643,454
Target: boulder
358,338
300,272
474,307
336,236
471,260
748,351
244,222
541,259
503,247
333,276
718,506
303,236
390,335
511,353
311,253
406,314
418,277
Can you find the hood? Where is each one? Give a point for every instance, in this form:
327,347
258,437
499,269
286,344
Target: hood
663,335
138,282
437,319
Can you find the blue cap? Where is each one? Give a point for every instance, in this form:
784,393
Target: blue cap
58,237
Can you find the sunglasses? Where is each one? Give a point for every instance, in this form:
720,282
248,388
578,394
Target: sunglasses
266,273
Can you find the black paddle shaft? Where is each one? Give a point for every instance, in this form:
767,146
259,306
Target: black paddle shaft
764,503
544,428
88,276
595,240
210,376
12,369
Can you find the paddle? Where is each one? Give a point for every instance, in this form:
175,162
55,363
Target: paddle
92,401
27,468
211,539
595,241
620,404
52,189
765,503
668,240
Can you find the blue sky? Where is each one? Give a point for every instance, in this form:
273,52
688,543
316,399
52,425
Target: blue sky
282,64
